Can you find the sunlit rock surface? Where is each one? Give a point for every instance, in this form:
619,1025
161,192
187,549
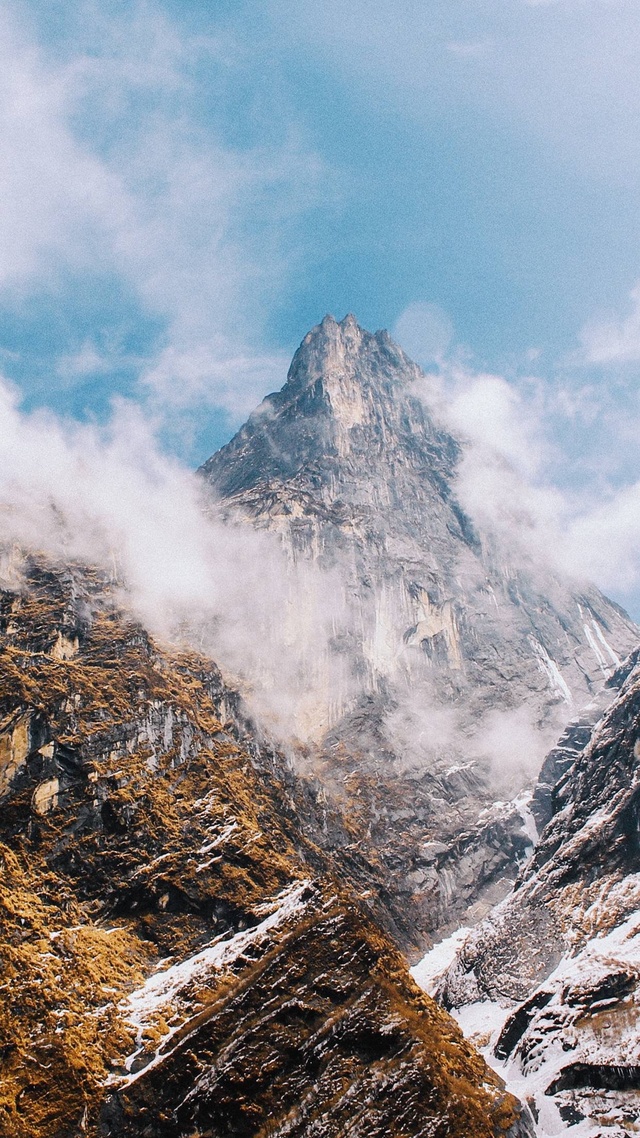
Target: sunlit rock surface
460,660
554,971
176,957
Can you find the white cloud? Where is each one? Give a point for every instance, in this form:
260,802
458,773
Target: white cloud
111,497
86,361
605,541
106,168
615,340
58,200
424,330
527,518
515,745
492,412
428,734
207,373
512,477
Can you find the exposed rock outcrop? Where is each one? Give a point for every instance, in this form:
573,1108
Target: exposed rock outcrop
561,955
177,958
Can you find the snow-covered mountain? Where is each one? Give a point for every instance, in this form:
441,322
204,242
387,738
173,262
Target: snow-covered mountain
459,659
549,983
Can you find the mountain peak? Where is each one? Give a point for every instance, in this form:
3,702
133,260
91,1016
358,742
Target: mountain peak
344,351
348,392
329,322
331,344
455,658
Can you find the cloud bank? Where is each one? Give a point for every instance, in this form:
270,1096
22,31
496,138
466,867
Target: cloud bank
111,498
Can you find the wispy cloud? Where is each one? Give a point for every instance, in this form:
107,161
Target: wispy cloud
425,331
110,497
613,340
512,479
186,374
109,169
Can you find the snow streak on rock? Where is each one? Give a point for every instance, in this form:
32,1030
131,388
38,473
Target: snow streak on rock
549,984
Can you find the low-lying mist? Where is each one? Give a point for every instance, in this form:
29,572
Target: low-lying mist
277,626
111,498
506,746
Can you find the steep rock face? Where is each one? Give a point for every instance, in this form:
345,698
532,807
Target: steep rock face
176,957
560,758
561,954
348,464
447,629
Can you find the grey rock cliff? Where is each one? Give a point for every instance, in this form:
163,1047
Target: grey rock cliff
453,644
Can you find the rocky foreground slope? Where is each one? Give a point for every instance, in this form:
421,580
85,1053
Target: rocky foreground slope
550,982
175,957
459,660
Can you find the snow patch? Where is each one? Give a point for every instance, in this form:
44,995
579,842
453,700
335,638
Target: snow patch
571,1027
165,991
435,962
591,641
521,804
551,670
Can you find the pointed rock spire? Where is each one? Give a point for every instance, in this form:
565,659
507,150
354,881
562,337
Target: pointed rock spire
348,392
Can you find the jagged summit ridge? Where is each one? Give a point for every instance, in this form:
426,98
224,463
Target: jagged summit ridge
347,398
343,347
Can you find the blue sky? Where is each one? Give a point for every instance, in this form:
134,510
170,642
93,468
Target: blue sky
189,187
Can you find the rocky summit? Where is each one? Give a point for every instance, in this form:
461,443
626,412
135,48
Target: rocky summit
460,659
177,958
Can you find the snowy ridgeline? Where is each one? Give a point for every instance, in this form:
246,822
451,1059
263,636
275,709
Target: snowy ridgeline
571,1051
170,996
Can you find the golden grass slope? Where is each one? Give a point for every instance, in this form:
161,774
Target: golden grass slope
149,845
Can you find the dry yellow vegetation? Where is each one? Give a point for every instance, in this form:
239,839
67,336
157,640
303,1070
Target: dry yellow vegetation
175,958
